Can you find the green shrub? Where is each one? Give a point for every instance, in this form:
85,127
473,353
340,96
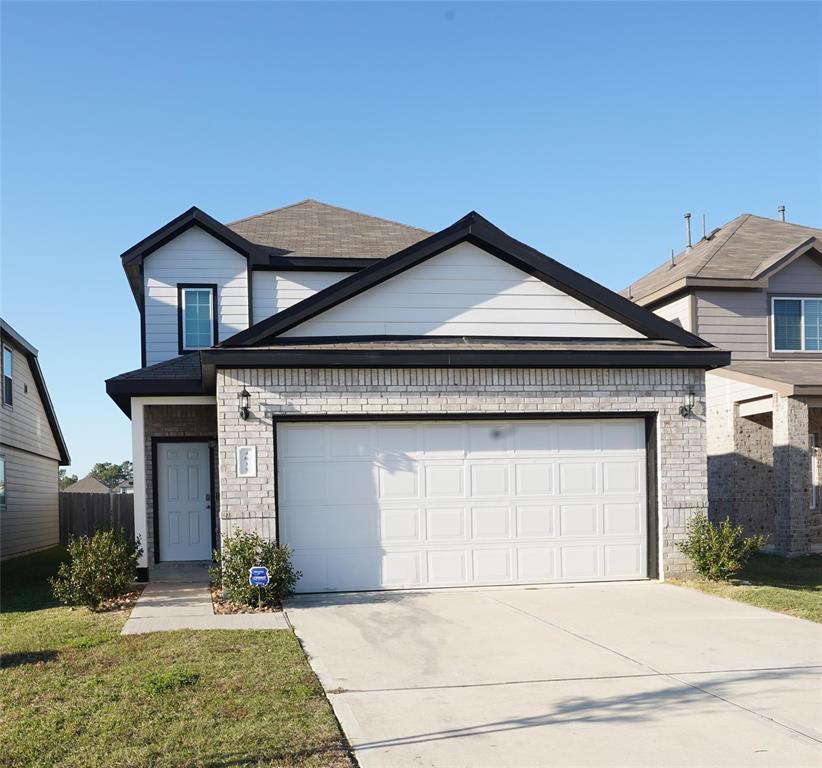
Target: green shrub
718,551
246,550
99,568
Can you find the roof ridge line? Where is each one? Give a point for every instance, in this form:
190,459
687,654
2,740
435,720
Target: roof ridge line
273,210
724,243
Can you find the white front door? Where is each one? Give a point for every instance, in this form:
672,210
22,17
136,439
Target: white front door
184,495
429,504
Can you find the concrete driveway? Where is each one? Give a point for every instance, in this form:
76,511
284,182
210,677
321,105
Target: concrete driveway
632,674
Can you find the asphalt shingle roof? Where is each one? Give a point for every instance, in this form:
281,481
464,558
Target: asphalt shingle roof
313,229
186,367
742,249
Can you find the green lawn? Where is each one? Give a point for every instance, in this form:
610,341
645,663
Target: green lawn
787,585
73,692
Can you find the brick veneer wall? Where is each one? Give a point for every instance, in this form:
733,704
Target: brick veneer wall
249,503
175,421
815,521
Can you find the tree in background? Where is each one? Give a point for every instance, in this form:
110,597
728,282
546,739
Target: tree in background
112,475
64,480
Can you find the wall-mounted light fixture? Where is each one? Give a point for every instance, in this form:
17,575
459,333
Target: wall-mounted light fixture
688,409
245,398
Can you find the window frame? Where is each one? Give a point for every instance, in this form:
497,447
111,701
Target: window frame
181,289
772,324
7,348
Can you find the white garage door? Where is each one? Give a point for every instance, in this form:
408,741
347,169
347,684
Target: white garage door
443,503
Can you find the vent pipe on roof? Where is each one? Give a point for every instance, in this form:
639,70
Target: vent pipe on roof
704,230
781,212
688,230
673,261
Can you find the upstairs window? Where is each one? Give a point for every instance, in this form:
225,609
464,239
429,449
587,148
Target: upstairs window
197,316
797,325
8,374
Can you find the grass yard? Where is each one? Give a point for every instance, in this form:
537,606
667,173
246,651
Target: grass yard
73,692
792,586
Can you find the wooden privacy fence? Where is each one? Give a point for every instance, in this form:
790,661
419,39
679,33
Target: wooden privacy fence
81,514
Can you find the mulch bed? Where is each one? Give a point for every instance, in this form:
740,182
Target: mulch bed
121,602
224,605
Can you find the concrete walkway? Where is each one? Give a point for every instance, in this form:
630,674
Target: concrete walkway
180,598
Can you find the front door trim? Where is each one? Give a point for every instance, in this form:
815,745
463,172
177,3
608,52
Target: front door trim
155,491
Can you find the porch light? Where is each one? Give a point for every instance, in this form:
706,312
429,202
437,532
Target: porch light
245,398
688,409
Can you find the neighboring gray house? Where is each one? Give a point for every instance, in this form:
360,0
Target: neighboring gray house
754,287
405,409
31,451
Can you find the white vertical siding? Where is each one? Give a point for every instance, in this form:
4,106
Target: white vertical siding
464,291
678,312
25,425
274,291
31,520
192,257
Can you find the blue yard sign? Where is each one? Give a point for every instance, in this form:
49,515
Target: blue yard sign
258,576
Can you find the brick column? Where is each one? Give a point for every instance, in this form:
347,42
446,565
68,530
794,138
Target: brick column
791,473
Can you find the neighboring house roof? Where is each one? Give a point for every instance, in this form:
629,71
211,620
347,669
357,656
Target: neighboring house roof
304,235
743,251
312,229
477,230
788,377
30,353
87,484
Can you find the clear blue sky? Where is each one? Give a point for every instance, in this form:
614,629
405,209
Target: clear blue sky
584,129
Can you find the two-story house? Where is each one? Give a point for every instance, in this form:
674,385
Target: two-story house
405,408
754,287
32,449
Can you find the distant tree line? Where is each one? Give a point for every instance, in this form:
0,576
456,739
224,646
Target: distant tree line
110,475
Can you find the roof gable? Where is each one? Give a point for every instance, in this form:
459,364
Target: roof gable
476,230
464,291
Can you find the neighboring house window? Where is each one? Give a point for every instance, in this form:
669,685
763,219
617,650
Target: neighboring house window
8,365
2,483
813,442
197,315
797,325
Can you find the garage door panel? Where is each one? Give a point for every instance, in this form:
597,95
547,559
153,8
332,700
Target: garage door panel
490,522
578,478
445,523
415,504
447,567
492,566
444,480
489,479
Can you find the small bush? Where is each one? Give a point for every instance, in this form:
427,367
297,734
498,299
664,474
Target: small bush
718,551
246,550
99,568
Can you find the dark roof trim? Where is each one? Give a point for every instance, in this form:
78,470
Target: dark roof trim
577,358
122,390
314,263
480,232
40,382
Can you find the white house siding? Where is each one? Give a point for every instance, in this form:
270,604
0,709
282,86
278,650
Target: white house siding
274,291
464,292
678,312
26,425
31,518
192,257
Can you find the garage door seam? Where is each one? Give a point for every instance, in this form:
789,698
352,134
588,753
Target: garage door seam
658,672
